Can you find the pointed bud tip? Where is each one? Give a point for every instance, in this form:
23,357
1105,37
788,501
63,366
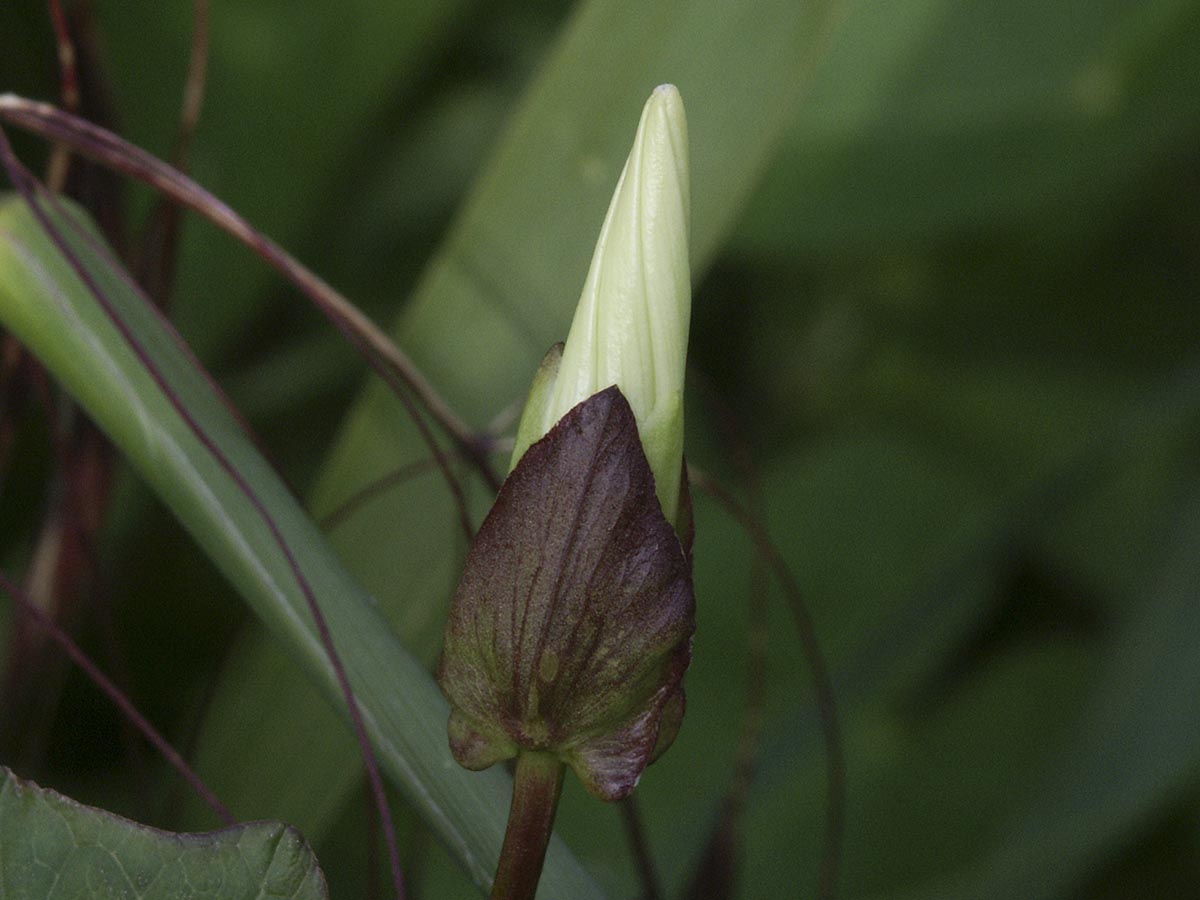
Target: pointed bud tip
666,98
664,118
667,93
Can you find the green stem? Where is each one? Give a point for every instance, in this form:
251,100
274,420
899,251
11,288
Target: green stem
536,786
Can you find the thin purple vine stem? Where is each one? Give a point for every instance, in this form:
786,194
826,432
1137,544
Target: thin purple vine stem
371,490
835,798
387,360
118,698
157,256
29,188
60,157
643,860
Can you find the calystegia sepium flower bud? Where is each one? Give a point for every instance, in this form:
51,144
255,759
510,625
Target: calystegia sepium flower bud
571,628
631,324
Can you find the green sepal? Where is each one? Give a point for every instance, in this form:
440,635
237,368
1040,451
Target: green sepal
531,427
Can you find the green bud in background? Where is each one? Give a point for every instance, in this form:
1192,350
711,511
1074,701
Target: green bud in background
631,324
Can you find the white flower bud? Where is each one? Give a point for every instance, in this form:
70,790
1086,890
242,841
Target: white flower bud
631,325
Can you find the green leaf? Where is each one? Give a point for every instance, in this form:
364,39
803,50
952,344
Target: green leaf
1135,744
44,302
930,791
51,846
930,117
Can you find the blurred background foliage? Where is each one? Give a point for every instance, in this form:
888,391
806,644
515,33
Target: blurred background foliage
950,303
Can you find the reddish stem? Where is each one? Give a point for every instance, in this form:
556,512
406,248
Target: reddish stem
60,157
118,697
536,785
640,846
831,732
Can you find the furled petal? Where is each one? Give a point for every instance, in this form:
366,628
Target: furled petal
631,324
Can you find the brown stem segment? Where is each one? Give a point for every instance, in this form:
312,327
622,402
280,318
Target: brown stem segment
536,786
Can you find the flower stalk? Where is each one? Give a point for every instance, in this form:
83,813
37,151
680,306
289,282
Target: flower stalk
537,783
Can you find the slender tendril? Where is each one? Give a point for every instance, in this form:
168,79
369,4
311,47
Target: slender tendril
118,698
822,680
68,73
639,845
371,490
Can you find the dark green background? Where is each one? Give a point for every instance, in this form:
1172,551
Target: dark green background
955,317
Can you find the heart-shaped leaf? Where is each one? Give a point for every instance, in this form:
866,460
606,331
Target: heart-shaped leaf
51,846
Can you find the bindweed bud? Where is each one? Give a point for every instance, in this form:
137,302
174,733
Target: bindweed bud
572,625
631,324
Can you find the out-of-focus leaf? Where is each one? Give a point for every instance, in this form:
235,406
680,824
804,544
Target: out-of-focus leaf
502,288
1091,748
927,791
323,80
1135,746
956,780
46,304
51,846
929,117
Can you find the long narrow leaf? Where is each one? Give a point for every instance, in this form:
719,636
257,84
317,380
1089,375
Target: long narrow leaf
45,303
